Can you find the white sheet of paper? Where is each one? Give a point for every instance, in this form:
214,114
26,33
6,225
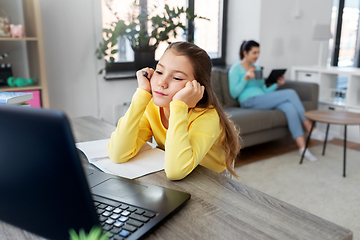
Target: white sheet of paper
148,160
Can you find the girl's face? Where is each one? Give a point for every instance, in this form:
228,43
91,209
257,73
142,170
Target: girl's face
252,55
171,75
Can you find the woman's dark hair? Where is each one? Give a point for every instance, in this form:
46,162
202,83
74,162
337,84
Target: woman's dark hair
202,66
246,46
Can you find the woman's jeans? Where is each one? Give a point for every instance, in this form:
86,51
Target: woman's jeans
285,100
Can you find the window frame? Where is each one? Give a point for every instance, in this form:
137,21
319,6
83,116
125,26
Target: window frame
336,47
335,52
113,68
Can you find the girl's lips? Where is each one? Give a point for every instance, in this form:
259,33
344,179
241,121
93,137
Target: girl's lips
160,93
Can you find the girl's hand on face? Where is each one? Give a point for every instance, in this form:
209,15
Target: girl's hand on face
250,74
191,94
280,81
143,77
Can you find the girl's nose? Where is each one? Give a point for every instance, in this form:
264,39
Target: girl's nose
162,83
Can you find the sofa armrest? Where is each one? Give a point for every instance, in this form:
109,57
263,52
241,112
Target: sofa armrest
308,92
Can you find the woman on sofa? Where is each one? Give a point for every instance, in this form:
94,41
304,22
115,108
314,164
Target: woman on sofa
251,92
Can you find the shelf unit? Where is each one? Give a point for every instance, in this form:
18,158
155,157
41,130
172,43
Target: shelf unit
327,78
26,55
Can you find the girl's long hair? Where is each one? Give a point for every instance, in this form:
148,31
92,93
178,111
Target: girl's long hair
202,66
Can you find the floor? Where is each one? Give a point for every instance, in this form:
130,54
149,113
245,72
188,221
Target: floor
282,146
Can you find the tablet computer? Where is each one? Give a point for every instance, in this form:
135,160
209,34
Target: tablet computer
274,75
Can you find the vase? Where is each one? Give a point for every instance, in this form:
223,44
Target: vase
144,59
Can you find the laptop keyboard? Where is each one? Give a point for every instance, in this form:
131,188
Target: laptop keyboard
121,220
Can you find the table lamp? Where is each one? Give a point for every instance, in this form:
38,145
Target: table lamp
321,33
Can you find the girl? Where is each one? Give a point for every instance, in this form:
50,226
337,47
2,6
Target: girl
253,93
177,105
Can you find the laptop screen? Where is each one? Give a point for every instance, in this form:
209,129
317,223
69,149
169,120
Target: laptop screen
44,189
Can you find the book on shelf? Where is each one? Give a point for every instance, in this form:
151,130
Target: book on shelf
36,101
17,98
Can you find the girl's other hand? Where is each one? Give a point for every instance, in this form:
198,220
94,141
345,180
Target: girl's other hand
280,81
143,77
250,74
191,94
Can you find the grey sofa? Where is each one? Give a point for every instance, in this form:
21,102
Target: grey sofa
260,126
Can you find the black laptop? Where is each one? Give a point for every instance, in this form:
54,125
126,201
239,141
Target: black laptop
45,190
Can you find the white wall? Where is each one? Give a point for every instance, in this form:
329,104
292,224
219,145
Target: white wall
72,30
69,39
243,24
286,30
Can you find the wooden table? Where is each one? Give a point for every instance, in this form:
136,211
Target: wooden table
331,117
219,208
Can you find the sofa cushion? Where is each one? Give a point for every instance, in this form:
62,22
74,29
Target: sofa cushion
308,105
227,99
253,120
216,85
220,83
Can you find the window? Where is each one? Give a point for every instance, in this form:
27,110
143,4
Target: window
345,28
210,35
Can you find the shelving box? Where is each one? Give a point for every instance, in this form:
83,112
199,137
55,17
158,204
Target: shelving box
328,80
354,92
26,54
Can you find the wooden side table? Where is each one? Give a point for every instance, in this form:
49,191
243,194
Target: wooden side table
331,117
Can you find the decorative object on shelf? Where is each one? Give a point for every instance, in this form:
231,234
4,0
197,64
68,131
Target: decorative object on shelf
4,55
321,33
338,96
17,30
5,70
143,39
21,82
4,24
5,73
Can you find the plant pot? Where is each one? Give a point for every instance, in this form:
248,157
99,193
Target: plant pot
144,59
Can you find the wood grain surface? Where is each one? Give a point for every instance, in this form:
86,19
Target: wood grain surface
219,208
334,117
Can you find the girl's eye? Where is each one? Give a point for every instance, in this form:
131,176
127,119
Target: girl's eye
179,79
158,72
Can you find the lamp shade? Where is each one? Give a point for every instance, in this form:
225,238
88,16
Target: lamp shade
321,32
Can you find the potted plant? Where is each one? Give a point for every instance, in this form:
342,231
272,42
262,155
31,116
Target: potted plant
96,233
145,31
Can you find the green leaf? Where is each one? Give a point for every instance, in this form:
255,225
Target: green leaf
82,234
73,235
113,43
96,233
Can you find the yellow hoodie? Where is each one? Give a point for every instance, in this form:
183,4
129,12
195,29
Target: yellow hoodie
191,137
